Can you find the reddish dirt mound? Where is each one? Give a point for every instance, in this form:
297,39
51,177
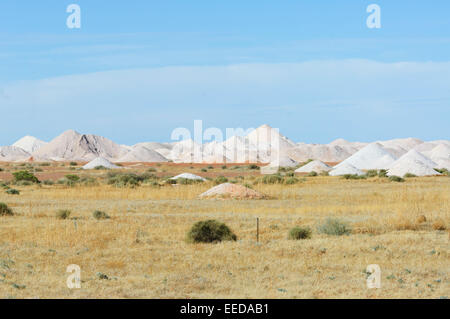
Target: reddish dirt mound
229,190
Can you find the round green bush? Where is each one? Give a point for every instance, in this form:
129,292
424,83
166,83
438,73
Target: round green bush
5,210
297,233
100,215
272,179
25,176
12,191
396,179
220,180
210,231
63,214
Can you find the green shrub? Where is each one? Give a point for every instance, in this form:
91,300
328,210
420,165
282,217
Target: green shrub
73,178
73,164
25,176
12,191
210,167
187,181
224,167
220,180
100,215
210,231
409,175
48,182
291,181
5,210
382,173
272,179
88,181
100,167
334,227
297,233
124,179
253,166
23,183
152,170
372,173
204,170
63,214
396,179
44,164
354,176
312,174
290,174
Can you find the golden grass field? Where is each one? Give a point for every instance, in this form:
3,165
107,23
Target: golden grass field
142,248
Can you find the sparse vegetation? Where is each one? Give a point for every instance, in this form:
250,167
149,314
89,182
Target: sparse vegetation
334,227
220,180
272,179
5,210
25,176
12,191
372,173
63,214
99,215
396,179
353,176
386,219
382,173
297,233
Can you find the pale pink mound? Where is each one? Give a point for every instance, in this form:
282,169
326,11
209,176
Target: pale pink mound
228,190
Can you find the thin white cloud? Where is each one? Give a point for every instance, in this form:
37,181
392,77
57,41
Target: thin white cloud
409,93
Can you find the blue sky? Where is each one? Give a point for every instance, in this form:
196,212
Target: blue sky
138,69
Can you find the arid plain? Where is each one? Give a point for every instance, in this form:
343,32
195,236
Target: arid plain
141,251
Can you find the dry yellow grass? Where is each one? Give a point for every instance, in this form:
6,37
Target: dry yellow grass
143,252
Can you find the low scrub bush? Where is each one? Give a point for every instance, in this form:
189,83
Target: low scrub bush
12,191
382,173
210,231
372,173
129,179
25,176
312,174
397,179
5,210
439,224
291,181
253,166
63,214
354,176
334,227
297,233
99,215
220,180
409,175
272,179
188,181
